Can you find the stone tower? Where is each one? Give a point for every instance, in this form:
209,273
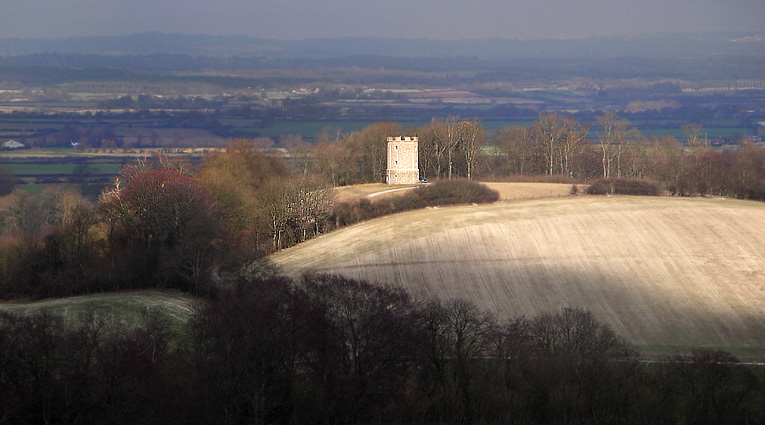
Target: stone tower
403,167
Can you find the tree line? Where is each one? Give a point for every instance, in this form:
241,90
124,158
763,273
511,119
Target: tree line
329,349
559,146
556,147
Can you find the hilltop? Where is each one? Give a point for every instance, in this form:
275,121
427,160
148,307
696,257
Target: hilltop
665,273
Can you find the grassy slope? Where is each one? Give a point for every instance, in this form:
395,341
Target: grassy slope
354,192
665,273
125,305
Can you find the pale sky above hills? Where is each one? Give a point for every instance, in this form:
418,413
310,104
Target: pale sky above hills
435,19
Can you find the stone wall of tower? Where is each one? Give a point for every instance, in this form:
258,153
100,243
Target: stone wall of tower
403,167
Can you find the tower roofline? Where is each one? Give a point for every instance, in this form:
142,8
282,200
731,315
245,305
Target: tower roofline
402,139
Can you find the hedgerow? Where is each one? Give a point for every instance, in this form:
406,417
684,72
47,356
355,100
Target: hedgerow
440,193
621,186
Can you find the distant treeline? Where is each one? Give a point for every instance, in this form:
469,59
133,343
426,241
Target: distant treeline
332,350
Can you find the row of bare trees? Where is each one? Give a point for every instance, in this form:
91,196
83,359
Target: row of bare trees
559,146
556,145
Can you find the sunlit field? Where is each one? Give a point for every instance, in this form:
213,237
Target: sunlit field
665,273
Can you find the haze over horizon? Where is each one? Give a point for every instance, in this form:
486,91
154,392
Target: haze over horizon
432,19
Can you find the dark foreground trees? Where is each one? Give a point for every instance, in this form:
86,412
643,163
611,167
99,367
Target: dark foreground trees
98,370
334,350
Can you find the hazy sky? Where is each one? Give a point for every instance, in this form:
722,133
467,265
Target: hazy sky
436,19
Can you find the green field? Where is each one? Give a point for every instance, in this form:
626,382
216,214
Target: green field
665,273
43,152
130,306
710,132
39,169
37,189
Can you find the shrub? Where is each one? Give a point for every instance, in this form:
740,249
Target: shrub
620,186
451,192
444,192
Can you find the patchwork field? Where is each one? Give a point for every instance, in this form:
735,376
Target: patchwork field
665,273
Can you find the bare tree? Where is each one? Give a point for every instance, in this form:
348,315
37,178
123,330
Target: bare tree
573,137
614,135
338,161
517,145
300,151
693,137
576,331
472,140
310,203
548,134
434,143
670,164
274,206
452,139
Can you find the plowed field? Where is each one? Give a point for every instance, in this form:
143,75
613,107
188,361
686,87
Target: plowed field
665,273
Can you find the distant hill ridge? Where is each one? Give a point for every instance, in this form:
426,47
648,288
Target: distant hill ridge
649,45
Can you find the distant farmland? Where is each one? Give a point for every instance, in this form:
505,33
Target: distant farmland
41,167
665,273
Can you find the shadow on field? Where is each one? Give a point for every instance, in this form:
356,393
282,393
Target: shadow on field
644,310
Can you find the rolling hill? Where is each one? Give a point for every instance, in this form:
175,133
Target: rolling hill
665,273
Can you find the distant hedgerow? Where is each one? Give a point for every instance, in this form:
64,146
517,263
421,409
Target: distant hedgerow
620,186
